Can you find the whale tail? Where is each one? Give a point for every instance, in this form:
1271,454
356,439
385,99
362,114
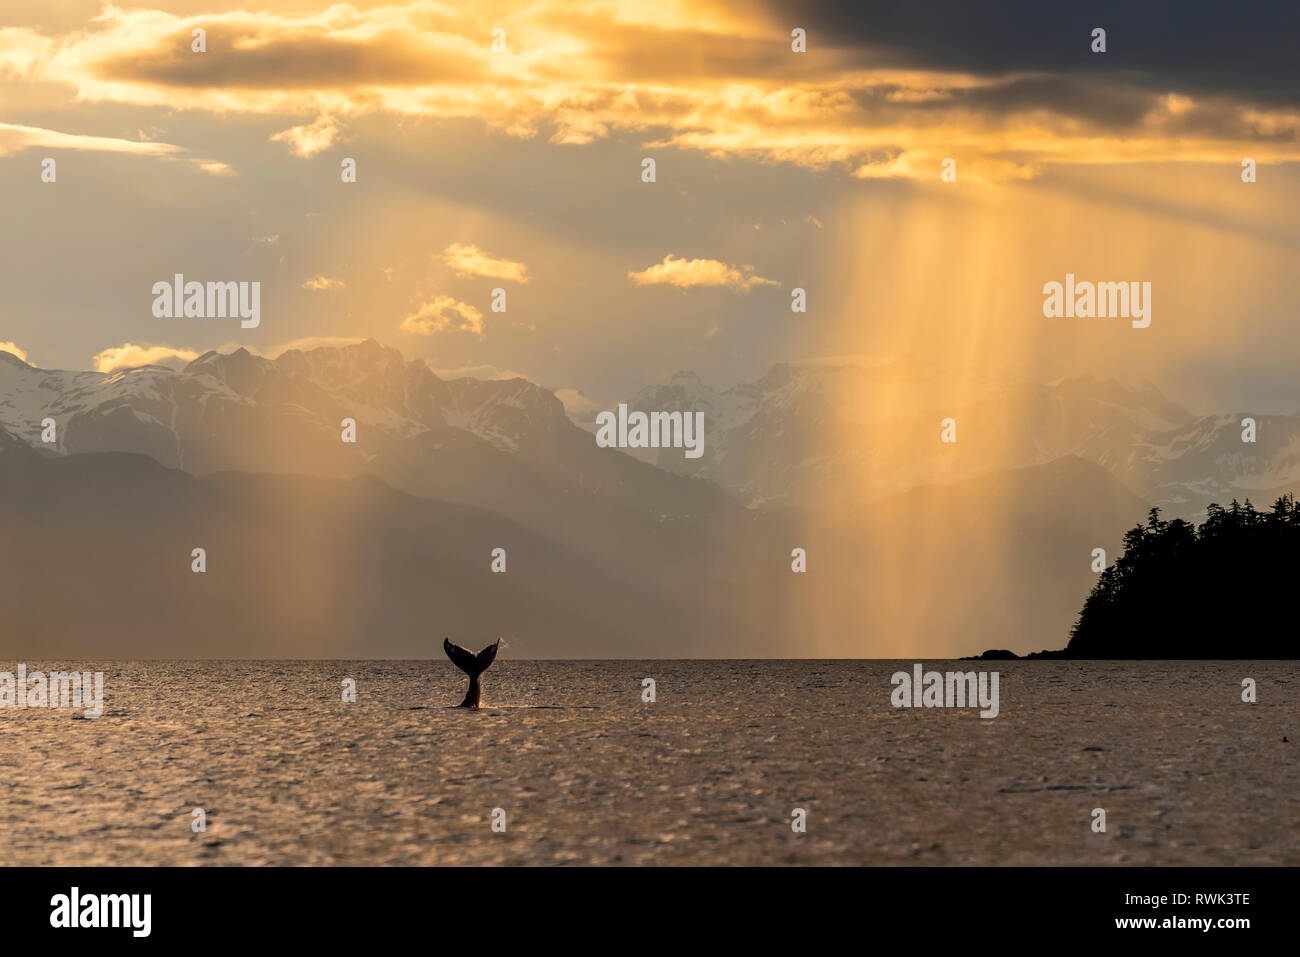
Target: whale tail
473,665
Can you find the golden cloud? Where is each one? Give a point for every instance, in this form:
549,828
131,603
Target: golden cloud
322,283
469,260
709,75
685,273
129,355
441,314
213,168
14,139
483,370
310,138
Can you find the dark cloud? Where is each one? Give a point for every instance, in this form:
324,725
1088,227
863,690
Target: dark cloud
254,60
1246,49
1105,104
1095,101
636,55
1224,118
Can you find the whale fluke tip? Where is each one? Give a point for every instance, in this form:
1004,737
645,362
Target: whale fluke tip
473,665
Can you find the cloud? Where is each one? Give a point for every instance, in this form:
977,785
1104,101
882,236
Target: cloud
322,282
214,167
7,346
576,403
1216,49
441,314
685,273
879,94
129,354
469,260
14,139
311,138
481,371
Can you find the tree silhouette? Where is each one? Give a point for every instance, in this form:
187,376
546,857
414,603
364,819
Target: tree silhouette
1220,591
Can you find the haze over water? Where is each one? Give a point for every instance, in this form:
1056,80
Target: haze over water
588,773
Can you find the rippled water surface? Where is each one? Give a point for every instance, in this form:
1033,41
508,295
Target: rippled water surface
587,772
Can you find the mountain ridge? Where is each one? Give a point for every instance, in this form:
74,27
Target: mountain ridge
799,434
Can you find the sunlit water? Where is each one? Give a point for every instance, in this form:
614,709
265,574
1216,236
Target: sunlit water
586,772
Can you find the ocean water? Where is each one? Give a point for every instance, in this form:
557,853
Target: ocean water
588,773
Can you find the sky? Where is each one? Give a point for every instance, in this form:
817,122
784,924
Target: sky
521,168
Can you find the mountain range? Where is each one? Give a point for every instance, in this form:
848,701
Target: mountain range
319,547
808,432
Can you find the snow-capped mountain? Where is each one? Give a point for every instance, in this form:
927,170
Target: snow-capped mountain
506,445
174,415
1206,460
806,433
816,432
607,555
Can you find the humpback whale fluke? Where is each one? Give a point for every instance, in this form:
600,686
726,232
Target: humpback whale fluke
473,665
